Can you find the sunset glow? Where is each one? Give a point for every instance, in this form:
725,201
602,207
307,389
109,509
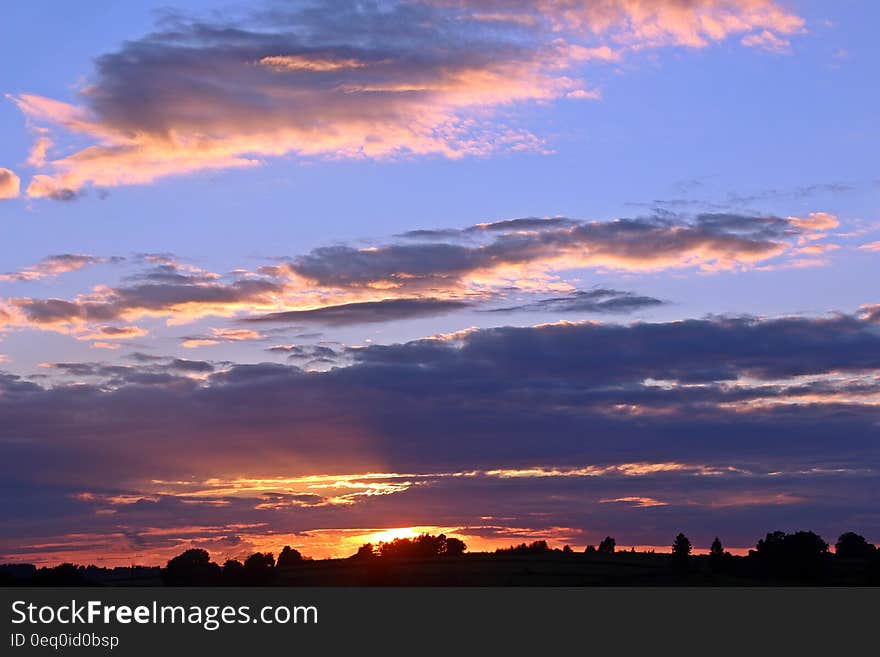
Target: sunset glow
323,274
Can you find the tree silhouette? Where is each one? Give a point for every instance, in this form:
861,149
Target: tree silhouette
535,547
191,568
801,557
681,550
259,568
771,548
365,551
65,574
852,546
233,573
717,556
424,546
288,558
607,545
801,554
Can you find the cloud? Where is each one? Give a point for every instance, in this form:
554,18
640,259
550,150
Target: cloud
366,312
635,430
55,265
816,221
512,264
10,184
181,300
640,25
521,250
186,365
870,246
598,300
353,80
220,335
112,333
306,352
767,40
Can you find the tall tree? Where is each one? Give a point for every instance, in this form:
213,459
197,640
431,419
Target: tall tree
681,550
607,545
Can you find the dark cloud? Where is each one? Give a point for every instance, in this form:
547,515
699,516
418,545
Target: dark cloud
598,300
713,349
507,225
505,387
365,312
144,358
318,353
409,279
765,421
714,240
186,365
147,298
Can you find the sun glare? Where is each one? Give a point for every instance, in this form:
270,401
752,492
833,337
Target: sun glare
388,535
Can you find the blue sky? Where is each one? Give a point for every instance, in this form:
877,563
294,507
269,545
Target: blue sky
242,180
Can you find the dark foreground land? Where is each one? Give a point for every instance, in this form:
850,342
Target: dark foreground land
553,568
560,569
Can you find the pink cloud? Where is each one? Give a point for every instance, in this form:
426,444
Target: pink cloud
10,184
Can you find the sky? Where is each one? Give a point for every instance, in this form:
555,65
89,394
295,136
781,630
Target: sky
321,273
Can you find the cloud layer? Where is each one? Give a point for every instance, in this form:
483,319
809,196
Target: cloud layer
354,80
512,265
644,429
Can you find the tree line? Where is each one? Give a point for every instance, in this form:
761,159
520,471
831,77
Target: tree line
801,555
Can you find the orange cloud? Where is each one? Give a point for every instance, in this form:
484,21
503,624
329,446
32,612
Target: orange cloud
638,502
10,184
236,334
815,221
640,24
113,333
287,63
197,343
105,345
